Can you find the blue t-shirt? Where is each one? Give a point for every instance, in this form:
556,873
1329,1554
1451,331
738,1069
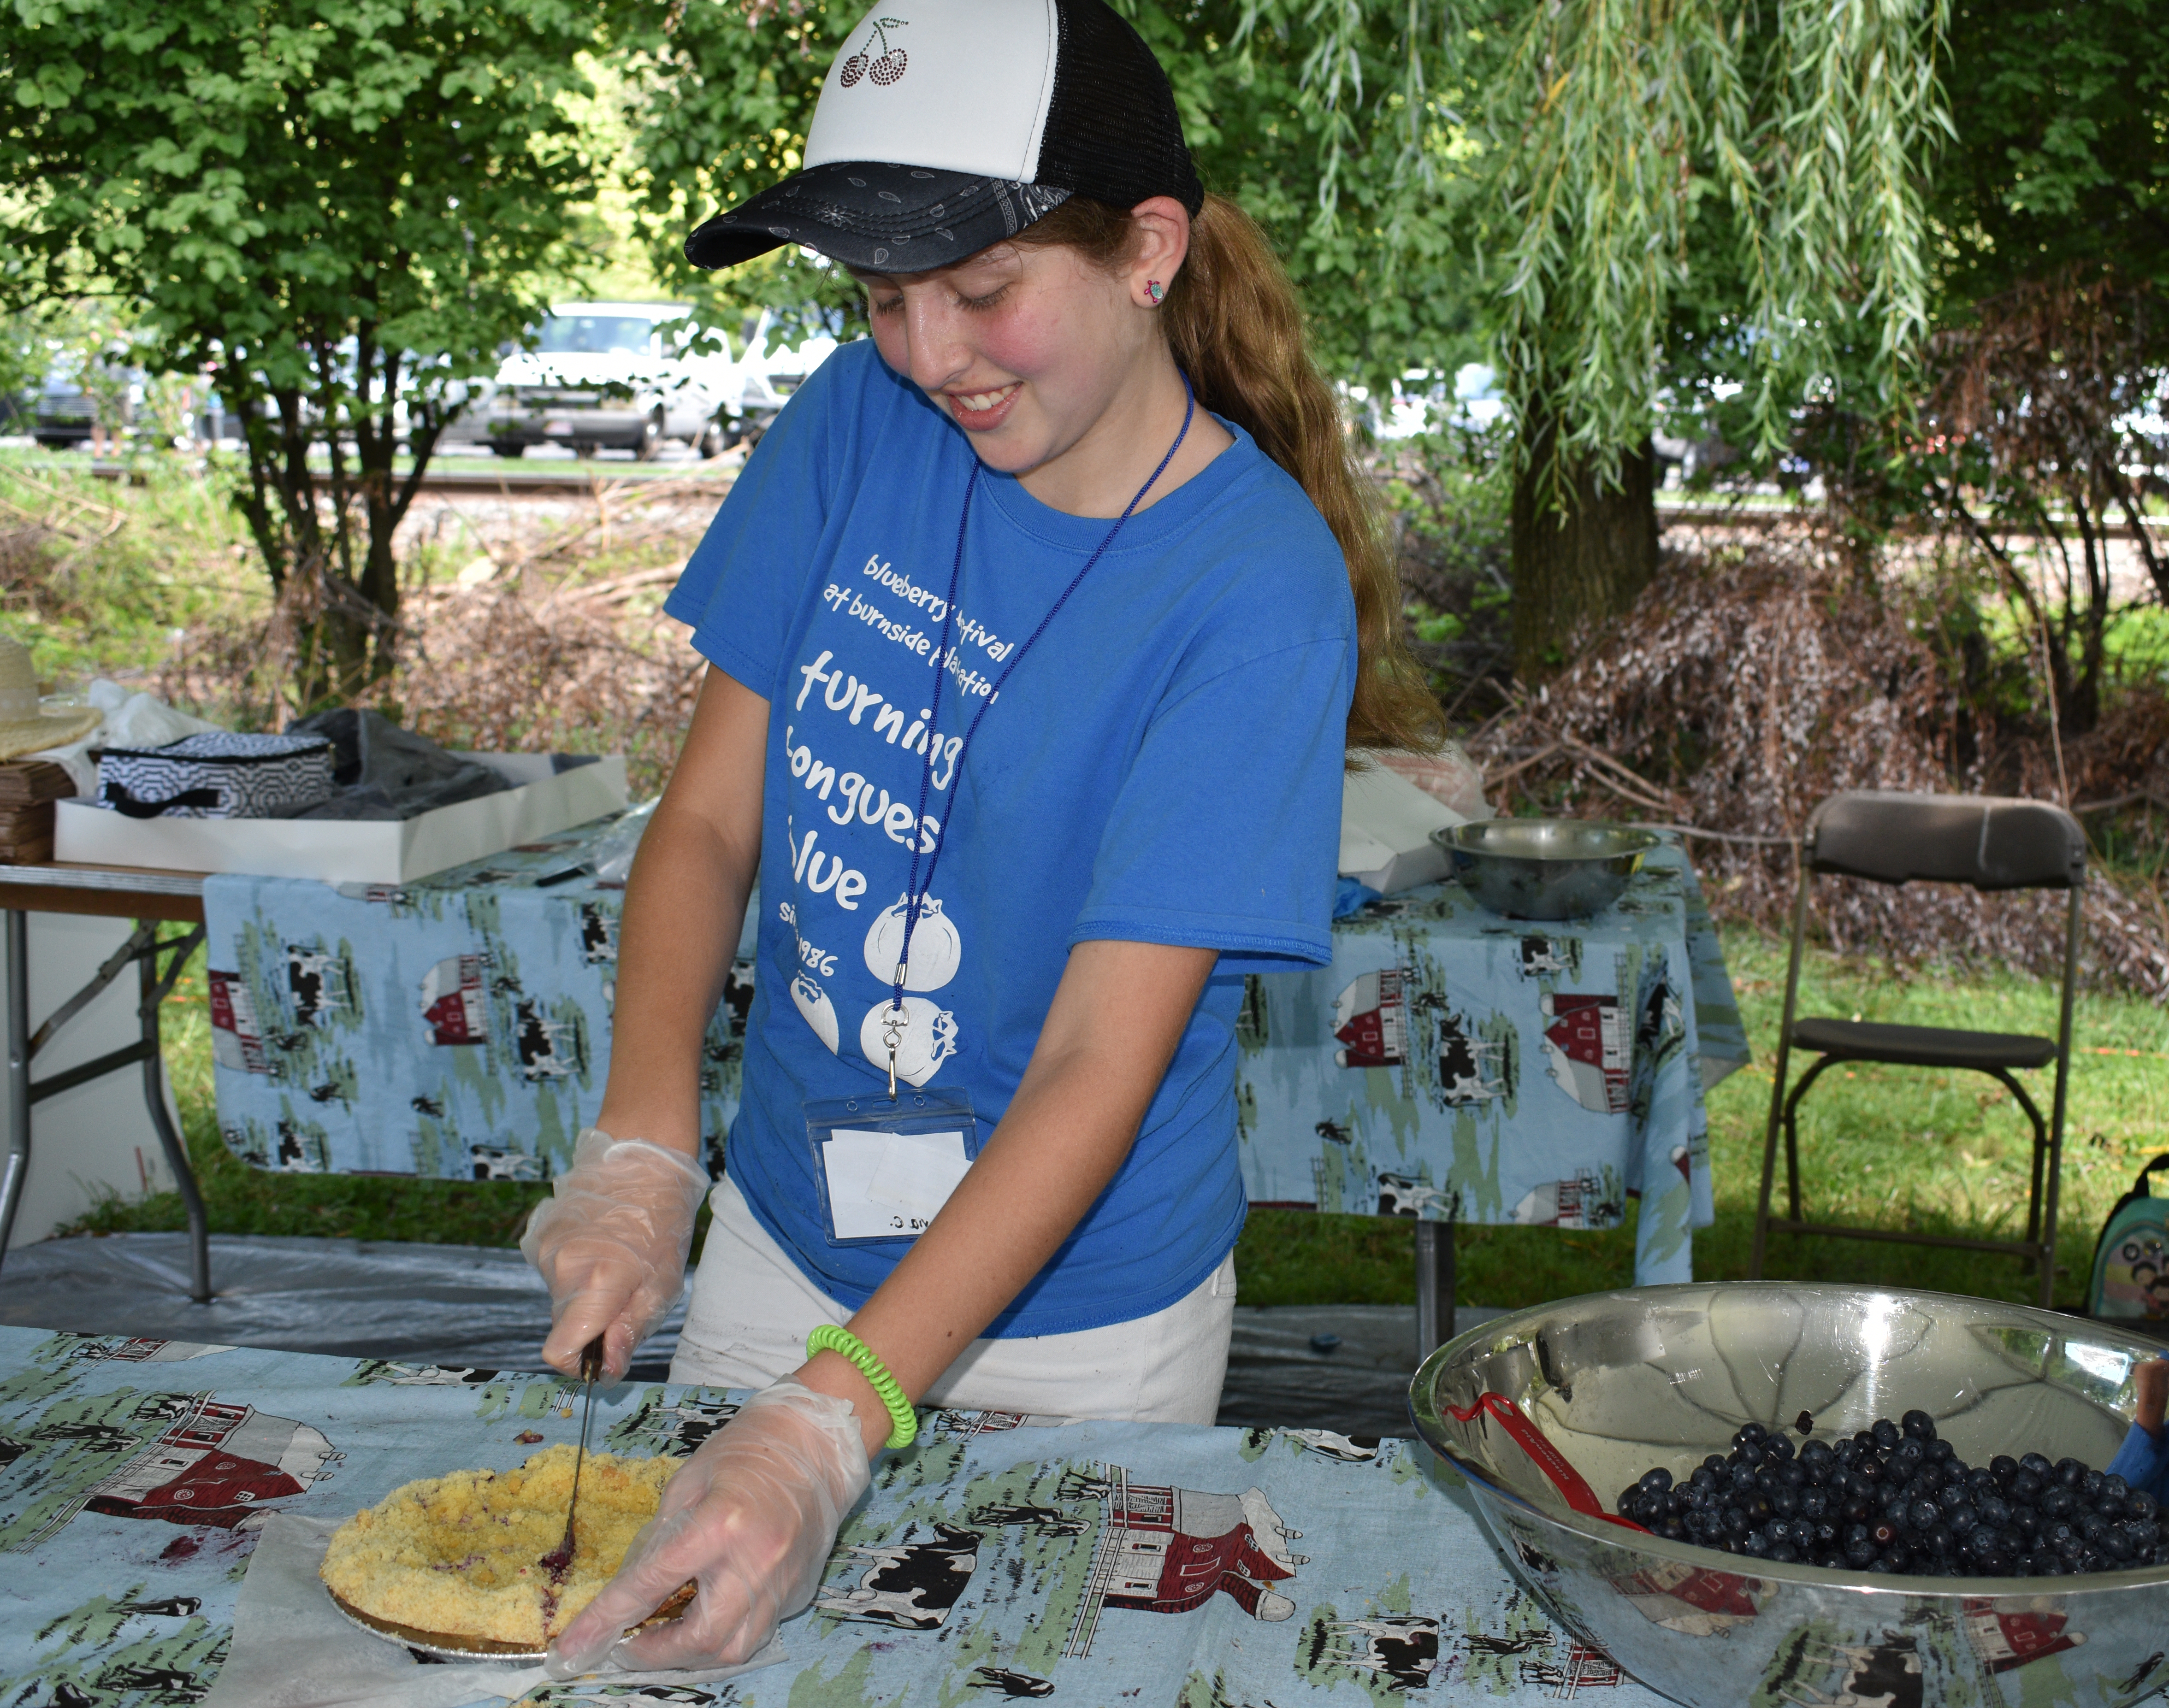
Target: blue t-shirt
1164,766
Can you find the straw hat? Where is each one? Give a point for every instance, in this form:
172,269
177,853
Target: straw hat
25,727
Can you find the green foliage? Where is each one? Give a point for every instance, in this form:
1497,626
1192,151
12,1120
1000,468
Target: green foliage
2061,155
339,208
726,91
1450,491
1634,151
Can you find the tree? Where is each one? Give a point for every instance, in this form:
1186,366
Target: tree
341,208
725,92
1747,172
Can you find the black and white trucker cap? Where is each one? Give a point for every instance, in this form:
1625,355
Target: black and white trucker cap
945,125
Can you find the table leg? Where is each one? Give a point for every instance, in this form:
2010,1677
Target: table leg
1435,1287
154,988
17,972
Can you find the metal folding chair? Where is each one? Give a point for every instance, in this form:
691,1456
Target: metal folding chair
1987,843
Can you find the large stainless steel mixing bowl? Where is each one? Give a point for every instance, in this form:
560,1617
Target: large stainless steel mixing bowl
1619,1382
1544,868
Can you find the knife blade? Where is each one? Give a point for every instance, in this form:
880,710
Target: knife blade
560,1563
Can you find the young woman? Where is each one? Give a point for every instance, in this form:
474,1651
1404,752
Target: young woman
1039,626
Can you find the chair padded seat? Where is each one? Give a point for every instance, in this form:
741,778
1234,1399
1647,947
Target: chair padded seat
1921,1046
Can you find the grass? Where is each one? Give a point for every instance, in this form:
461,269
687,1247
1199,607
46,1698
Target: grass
1942,1152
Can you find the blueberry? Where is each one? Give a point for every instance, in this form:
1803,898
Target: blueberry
1778,1447
1931,1478
1814,1503
1993,1562
1951,1496
2092,1526
2058,1502
1657,1481
1995,1510
1784,1501
1942,1452
2028,1483
2068,1473
2090,1486
1919,1425
1748,1434
2142,1506
2115,1485
1783,1553
1884,1434
1736,1523
2003,1468
1962,1518
2048,1565
1756,1546
2118,1544
1939,1539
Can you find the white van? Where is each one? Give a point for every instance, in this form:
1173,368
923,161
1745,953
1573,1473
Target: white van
607,375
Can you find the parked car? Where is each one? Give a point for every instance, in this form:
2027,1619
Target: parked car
67,411
606,375
767,378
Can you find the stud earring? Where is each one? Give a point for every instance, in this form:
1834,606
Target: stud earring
1156,291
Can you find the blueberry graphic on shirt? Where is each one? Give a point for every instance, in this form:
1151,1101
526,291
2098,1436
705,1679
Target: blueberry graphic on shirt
812,1002
936,949
925,1038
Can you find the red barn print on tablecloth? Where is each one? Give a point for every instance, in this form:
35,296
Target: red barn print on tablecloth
1163,1550
1584,1201
455,1006
2006,1637
1371,1020
216,1463
1586,1041
1692,1599
237,1041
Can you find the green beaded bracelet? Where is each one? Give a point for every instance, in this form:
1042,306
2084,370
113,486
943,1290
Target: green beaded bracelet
828,1338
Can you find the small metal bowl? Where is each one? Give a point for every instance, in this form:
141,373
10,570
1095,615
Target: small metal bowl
1618,1382
1544,868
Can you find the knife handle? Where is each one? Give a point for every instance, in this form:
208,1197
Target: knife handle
591,1360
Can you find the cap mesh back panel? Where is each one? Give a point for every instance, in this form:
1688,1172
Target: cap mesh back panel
1112,132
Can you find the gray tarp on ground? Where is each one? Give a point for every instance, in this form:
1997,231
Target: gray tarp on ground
478,1308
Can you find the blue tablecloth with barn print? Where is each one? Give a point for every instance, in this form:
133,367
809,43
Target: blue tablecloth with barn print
1448,1064
1452,1065
1098,1564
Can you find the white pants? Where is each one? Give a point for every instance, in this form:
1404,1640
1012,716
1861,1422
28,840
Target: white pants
751,1311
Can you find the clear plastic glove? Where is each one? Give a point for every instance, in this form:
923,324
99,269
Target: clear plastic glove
750,1518
611,1246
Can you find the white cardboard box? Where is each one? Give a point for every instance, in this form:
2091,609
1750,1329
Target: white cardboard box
348,850
1386,824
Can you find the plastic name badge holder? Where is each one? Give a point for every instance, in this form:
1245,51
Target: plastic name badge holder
886,1167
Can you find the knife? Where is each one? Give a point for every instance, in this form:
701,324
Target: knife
591,1369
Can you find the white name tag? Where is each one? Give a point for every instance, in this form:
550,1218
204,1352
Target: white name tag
889,1185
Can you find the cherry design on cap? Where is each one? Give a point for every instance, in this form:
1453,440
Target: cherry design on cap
884,70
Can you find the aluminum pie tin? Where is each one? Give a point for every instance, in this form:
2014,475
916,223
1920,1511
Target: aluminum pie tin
1618,1382
445,1645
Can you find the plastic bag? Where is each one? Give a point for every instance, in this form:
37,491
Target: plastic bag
613,851
1449,776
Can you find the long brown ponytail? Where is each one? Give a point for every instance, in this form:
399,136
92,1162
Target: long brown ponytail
1234,326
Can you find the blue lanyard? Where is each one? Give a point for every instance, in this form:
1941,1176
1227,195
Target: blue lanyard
916,894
